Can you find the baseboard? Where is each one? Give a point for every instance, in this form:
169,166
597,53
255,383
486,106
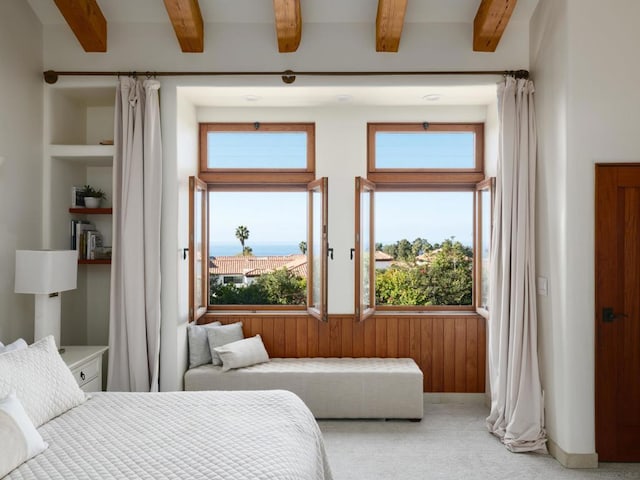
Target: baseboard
572,460
434,397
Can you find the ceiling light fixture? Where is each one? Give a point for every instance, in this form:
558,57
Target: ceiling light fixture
252,98
432,97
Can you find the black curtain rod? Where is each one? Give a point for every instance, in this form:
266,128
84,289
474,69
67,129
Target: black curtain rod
288,76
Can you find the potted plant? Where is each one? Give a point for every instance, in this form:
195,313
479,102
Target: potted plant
93,196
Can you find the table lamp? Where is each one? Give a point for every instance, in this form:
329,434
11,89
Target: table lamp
46,273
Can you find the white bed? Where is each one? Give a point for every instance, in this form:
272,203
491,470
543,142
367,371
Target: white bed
267,435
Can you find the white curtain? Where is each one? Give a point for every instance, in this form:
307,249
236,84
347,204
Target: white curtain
134,327
517,415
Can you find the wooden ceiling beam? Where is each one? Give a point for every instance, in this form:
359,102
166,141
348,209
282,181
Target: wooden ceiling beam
87,22
389,23
490,22
187,22
288,24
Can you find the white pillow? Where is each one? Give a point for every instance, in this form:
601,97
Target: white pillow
17,345
199,351
19,439
222,335
242,353
42,381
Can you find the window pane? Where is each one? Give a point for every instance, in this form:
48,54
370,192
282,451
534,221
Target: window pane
317,249
257,248
485,199
414,150
257,150
425,248
200,251
365,255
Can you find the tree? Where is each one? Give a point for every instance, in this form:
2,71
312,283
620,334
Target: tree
247,251
282,287
242,234
303,247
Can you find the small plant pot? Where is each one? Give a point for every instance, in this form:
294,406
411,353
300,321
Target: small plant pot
91,202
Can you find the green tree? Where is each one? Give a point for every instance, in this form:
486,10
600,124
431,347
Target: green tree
242,234
282,287
303,247
404,251
247,251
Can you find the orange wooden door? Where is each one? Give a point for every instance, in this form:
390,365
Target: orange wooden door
617,236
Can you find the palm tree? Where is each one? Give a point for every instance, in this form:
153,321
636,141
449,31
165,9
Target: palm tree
242,234
303,247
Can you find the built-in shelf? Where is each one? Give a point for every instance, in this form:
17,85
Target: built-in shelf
102,261
92,211
96,155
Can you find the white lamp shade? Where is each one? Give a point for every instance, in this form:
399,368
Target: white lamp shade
46,271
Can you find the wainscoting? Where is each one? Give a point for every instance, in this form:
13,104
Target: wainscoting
449,349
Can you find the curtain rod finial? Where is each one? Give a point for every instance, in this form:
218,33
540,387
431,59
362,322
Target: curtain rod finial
50,76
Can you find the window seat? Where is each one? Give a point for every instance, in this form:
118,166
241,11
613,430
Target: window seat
331,387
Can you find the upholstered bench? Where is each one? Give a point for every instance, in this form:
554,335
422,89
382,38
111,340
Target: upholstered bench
331,387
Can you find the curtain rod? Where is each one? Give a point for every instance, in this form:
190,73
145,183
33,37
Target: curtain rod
288,76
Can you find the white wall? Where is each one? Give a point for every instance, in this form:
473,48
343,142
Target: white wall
20,158
588,108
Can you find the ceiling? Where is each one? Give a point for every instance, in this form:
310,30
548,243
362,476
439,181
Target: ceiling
261,11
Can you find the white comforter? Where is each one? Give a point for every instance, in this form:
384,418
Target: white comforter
182,435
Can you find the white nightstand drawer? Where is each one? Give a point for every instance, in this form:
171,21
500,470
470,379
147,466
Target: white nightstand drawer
87,372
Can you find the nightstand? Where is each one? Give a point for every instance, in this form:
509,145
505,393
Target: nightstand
85,362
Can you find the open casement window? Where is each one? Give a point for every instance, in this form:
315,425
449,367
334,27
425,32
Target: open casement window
318,249
198,249
484,228
365,305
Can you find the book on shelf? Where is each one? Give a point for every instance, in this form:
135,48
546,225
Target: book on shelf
93,241
77,227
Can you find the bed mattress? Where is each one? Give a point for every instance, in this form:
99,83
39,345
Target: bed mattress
182,435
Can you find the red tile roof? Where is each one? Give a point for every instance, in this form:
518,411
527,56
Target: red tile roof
251,266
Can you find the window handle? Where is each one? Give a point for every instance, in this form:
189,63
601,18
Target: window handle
330,253
184,253
352,251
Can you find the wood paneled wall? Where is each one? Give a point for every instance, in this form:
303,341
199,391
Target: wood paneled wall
449,349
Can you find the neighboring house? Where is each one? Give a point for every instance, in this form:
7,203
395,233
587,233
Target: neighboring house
243,270
383,260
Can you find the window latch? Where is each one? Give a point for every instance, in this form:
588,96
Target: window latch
330,253
352,251
184,253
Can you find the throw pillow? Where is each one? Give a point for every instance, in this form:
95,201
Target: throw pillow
219,336
199,351
17,345
19,439
42,381
242,353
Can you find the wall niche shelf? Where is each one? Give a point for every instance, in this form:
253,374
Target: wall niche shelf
91,211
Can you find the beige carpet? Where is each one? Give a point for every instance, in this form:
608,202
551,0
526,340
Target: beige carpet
451,442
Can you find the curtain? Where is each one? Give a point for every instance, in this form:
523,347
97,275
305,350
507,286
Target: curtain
517,415
134,323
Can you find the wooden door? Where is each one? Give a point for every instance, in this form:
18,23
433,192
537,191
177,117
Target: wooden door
617,236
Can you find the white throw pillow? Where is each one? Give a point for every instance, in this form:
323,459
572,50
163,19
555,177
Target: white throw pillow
42,381
243,353
199,351
222,335
17,345
19,439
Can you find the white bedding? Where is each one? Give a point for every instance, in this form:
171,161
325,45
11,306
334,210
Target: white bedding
265,435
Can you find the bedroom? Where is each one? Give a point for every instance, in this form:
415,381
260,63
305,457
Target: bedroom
586,107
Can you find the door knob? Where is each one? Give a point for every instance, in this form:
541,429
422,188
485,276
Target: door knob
609,316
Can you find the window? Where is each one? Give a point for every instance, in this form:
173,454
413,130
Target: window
264,230
422,236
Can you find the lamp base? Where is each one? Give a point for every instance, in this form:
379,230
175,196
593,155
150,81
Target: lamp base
47,317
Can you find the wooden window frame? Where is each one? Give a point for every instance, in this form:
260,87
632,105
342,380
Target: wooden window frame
263,176
428,176
403,179
198,192
257,180
486,185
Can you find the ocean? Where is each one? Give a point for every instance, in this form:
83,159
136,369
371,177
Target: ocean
259,249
